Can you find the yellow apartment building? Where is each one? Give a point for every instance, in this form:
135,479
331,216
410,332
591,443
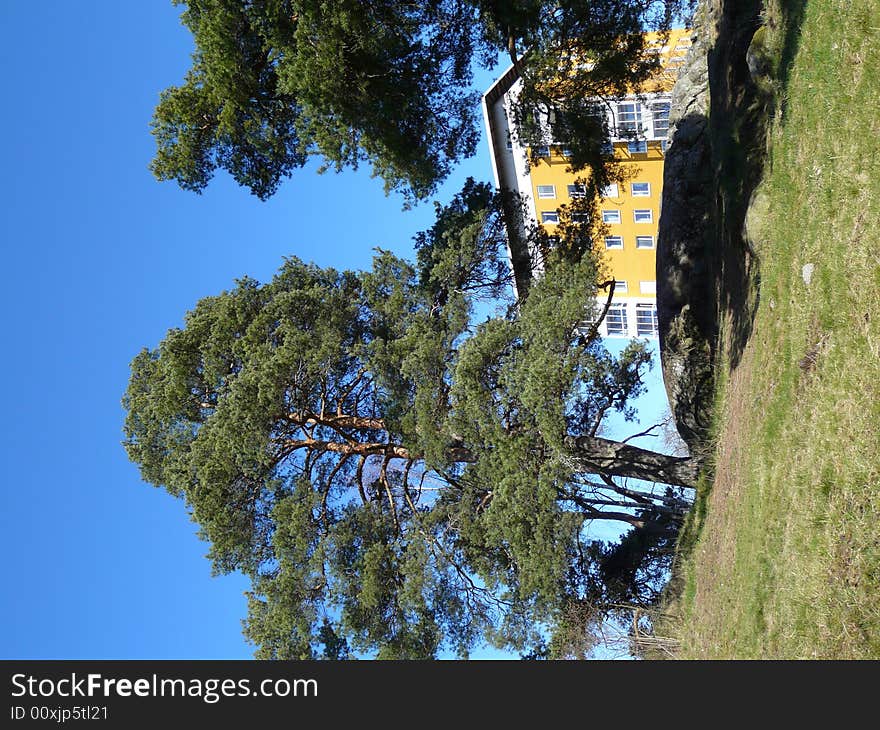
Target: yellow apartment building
630,210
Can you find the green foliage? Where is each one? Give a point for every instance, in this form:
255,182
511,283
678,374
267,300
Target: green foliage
274,82
392,478
230,111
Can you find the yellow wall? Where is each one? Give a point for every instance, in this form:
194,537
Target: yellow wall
634,265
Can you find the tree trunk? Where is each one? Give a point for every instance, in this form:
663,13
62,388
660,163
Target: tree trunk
591,454
588,454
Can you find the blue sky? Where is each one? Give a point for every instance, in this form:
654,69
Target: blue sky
99,261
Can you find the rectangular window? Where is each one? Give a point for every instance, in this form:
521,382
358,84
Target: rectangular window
660,112
613,242
549,216
644,241
620,287
646,320
641,190
638,147
648,287
643,216
610,191
615,320
577,191
663,145
607,149
611,216
543,151
546,191
629,118
580,217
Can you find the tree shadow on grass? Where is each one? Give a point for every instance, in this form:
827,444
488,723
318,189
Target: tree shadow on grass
793,12
708,273
742,110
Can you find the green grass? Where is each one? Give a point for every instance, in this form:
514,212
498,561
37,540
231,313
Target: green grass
783,557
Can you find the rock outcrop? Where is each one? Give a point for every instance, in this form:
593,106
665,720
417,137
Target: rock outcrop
685,307
706,270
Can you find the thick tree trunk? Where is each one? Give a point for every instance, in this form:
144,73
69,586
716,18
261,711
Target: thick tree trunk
588,454
591,454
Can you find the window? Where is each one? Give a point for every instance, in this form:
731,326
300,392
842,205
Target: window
660,112
577,191
629,118
546,191
542,151
549,216
638,147
566,152
643,216
641,190
646,320
607,149
580,217
644,241
611,216
663,145
613,242
648,287
620,287
610,191
615,320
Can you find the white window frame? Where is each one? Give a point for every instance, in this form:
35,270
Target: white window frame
648,287
637,147
611,216
614,243
611,191
577,191
615,320
643,192
641,242
662,129
551,193
641,211
629,117
620,286
549,216
580,217
646,326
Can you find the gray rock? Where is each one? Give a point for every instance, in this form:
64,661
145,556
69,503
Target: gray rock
684,305
707,267
807,273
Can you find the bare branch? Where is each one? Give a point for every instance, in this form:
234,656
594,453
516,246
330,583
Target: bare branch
383,477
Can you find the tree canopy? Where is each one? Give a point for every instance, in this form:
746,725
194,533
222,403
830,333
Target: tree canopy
275,82
393,476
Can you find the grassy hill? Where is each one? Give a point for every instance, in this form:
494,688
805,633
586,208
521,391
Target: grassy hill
782,555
